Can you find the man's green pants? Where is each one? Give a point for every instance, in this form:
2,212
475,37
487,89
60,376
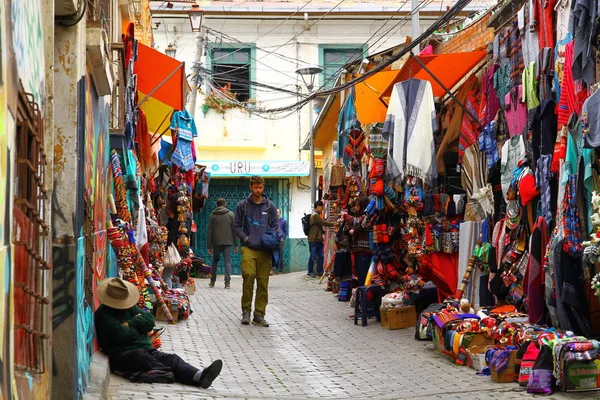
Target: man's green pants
256,266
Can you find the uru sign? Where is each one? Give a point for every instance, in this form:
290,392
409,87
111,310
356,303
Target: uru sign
262,168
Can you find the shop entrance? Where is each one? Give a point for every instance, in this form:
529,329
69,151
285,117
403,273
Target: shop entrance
234,190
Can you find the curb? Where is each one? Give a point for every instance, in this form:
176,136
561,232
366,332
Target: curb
97,388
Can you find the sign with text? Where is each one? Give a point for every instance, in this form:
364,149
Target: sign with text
262,168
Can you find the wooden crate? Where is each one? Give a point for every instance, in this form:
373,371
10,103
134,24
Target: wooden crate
398,318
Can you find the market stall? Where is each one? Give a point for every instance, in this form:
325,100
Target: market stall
482,182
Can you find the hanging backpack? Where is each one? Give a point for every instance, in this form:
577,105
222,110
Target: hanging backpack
306,224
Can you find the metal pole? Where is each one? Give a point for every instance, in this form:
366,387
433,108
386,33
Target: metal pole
313,175
416,28
196,71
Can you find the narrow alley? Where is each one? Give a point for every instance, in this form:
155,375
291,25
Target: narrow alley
311,350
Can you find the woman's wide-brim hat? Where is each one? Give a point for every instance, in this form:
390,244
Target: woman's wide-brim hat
117,293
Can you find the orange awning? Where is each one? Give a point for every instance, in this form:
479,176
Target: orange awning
448,68
368,106
163,78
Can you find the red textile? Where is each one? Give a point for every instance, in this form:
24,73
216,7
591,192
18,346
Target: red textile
128,40
142,137
441,269
543,14
571,100
469,132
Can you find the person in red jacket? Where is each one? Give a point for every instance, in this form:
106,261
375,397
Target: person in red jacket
122,332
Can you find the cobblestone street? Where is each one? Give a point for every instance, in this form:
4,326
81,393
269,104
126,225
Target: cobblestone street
311,350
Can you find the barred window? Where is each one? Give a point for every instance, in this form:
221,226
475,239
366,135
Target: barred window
31,231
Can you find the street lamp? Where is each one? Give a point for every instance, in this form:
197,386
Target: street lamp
171,50
310,71
195,15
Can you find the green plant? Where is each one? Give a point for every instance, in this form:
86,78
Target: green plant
221,99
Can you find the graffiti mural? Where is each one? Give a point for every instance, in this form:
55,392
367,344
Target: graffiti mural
28,46
7,127
6,376
101,262
97,153
96,181
84,325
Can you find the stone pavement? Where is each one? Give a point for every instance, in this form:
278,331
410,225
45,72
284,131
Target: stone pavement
311,350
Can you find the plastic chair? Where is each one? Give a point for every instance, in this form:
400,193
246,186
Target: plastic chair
365,308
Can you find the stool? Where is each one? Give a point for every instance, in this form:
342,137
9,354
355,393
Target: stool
364,308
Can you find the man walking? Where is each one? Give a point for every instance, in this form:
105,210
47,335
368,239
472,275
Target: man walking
278,264
220,239
253,216
315,239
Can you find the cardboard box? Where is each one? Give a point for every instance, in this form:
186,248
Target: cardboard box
476,357
508,374
190,286
160,316
438,338
582,376
398,318
476,339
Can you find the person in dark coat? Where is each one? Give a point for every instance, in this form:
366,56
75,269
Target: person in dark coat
278,263
315,239
122,331
220,240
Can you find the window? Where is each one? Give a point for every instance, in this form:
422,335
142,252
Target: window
233,67
333,58
31,240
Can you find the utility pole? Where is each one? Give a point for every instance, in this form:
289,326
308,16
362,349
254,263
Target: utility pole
416,28
196,71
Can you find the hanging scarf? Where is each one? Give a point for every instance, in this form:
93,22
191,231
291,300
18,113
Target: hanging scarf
409,127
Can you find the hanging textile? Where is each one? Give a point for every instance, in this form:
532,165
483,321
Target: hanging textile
533,281
409,127
583,17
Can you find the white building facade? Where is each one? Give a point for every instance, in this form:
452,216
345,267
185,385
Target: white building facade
257,47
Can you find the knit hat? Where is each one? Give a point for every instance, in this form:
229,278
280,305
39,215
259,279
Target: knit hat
513,214
527,189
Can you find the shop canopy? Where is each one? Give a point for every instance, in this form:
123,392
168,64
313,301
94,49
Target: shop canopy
162,87
368,107
448,69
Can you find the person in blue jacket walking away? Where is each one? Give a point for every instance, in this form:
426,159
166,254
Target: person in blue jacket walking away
278,262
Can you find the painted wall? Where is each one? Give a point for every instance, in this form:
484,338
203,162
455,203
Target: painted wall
6,129
67,208
23,59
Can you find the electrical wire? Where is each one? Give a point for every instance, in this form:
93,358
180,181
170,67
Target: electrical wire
404,20
277,26
305,29
444,19
73,19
